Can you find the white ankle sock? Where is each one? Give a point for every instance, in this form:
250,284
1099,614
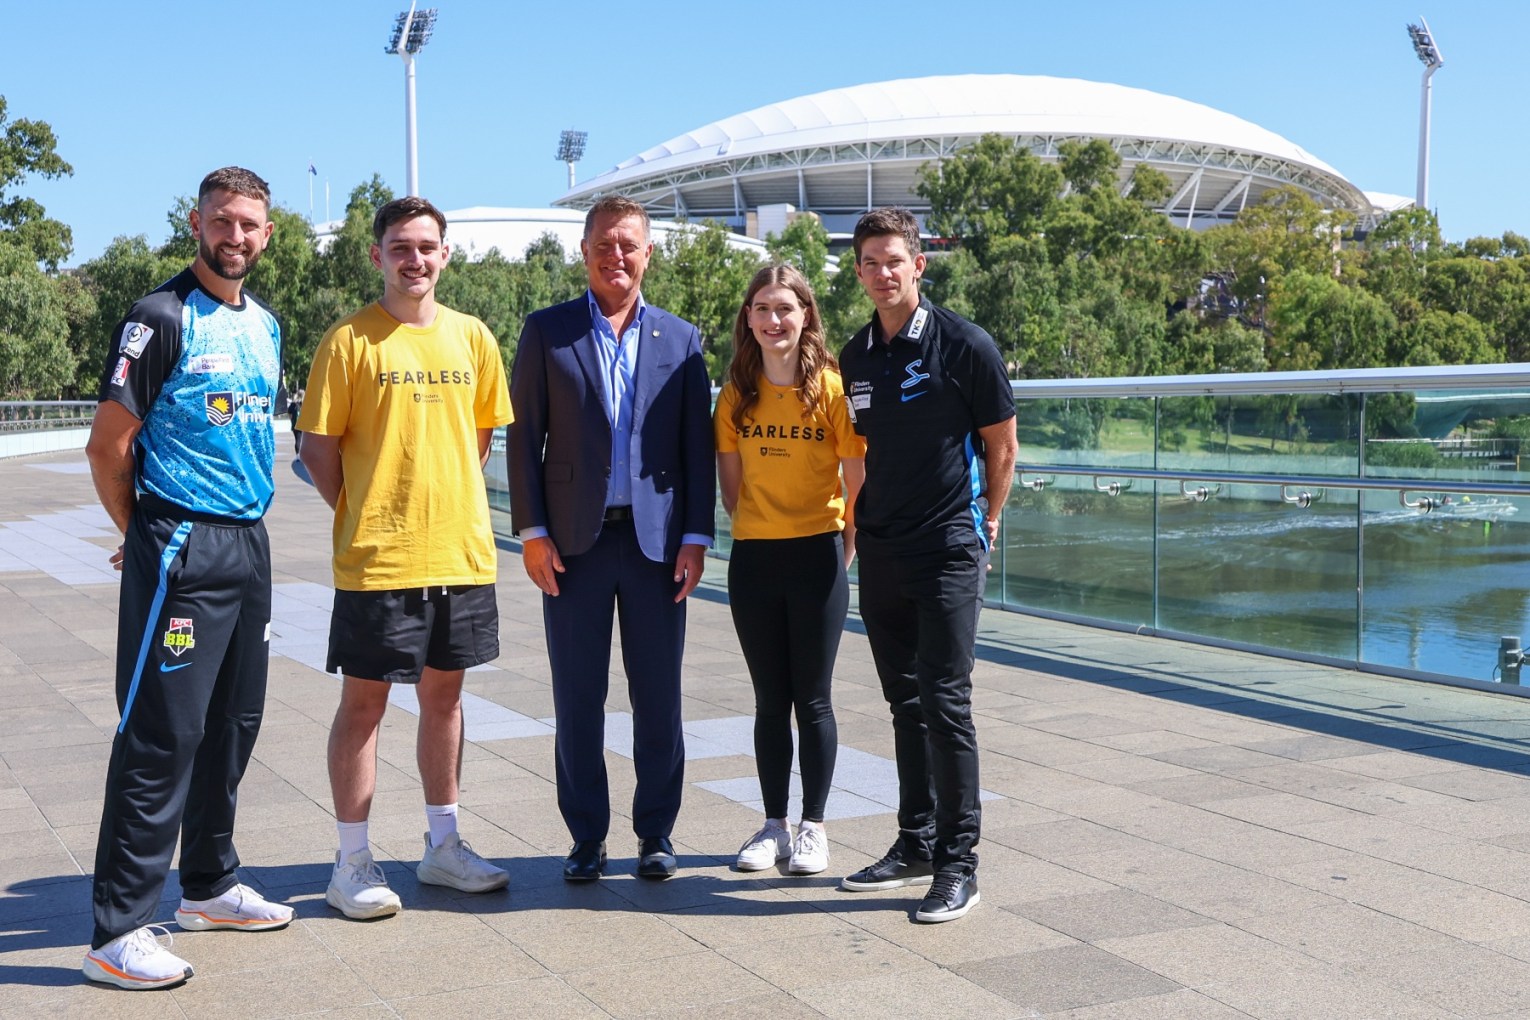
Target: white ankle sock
353,838
443,822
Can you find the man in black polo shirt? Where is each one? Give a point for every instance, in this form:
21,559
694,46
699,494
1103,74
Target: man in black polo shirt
929,392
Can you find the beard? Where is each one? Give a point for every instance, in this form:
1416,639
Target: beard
235,271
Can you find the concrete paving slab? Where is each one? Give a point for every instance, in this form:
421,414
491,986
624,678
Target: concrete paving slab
1170,830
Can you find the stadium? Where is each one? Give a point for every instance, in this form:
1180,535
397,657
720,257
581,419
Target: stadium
841,152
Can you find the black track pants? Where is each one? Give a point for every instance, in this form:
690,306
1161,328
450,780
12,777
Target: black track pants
192,642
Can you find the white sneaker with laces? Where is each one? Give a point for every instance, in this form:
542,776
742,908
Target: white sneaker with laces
240,908
810,853
137,961
771,844
358,889
455,864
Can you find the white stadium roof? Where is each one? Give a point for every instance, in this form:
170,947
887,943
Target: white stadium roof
843,151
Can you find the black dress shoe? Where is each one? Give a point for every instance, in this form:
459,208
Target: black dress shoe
656,857
585,861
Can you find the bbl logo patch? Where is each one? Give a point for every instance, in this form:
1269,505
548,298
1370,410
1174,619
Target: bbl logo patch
119,374
179,637
134,336
220,408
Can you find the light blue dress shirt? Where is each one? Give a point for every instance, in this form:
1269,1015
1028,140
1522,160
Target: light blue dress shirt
618,365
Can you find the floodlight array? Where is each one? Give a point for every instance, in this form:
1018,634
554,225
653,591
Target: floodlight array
571,146
420,26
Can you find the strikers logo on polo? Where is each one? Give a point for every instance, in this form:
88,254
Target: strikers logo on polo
179,636
220,408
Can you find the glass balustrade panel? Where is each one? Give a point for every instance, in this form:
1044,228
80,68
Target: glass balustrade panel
1447,577
1071,546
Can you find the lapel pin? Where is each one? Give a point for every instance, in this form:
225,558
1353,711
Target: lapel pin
655,332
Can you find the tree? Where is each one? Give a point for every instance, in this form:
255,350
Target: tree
697,274
1286,232
282,279
36,314
27,150
845,308
803,244
1319,323
122,274
992,190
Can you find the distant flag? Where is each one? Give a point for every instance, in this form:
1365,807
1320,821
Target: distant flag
313,170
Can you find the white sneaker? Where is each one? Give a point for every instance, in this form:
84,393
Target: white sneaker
810,852
241,908
358,889
456,865
765,848
137,961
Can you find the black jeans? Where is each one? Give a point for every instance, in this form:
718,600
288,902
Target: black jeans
789,597
921,612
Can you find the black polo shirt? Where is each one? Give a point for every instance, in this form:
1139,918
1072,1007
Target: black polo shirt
919,400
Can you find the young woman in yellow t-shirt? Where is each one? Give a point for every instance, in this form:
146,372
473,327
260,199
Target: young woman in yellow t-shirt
784,439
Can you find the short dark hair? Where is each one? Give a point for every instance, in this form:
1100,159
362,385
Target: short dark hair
406,208
236,180
619,206
888,220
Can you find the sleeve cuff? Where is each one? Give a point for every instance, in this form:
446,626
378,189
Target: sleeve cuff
526,533
705,541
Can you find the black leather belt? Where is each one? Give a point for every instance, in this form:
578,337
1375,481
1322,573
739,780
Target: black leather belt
618,513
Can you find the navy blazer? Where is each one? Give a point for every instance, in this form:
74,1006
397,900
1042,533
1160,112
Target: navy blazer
559,446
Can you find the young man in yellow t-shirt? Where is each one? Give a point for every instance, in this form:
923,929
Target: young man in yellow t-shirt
402,400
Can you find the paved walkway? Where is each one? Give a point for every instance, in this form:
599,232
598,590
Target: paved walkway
1171,831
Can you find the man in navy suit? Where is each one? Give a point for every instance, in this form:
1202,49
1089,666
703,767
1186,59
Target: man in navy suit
612,488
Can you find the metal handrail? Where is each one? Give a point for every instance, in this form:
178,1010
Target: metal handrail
1354,380
1308,481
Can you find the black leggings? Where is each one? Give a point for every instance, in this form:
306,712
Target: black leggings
789,597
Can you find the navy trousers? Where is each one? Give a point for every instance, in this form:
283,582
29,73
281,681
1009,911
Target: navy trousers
615,580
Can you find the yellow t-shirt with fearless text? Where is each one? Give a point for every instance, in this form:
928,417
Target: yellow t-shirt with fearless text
407,404
790,483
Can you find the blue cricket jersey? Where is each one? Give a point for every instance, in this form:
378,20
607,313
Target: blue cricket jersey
204,377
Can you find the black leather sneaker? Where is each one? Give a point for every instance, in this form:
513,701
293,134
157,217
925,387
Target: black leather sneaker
951,895
894,871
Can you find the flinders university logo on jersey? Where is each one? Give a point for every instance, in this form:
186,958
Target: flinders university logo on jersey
220,408
178,636
224,406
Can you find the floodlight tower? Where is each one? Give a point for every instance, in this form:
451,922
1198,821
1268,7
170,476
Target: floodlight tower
1429,55
411,31
571,151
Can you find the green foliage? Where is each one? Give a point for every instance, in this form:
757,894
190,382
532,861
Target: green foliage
36,314
122,274
845,307
699,276
1319,323
1065,261
1511,428
27,149
1412,455
803,244
992,190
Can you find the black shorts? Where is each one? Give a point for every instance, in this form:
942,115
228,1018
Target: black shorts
393,635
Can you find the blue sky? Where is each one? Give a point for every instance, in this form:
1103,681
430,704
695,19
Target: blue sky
147,97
